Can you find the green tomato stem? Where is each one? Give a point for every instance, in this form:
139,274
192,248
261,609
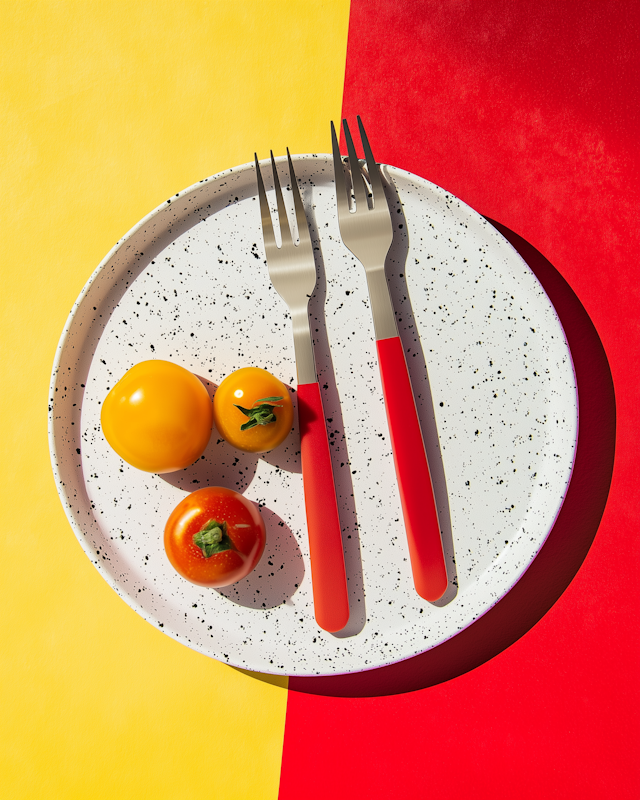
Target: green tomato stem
212,538
262,414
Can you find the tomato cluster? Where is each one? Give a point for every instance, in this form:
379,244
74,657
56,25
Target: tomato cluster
159,418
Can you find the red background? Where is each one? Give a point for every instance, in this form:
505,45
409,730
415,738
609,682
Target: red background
528,111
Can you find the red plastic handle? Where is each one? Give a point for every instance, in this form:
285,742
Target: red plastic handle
328,576
412,470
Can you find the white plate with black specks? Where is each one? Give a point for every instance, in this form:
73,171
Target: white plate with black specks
498,409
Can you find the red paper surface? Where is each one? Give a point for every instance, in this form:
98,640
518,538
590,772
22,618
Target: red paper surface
528,112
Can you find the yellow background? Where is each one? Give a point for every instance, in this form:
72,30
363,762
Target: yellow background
108,108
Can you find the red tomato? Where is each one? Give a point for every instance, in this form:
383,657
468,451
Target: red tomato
214,537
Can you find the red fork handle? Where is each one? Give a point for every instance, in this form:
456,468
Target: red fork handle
328,576
412,470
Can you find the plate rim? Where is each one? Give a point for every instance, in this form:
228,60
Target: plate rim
67,332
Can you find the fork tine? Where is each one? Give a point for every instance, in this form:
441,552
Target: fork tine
285,229
301,217
267,224
372,166
338,168
357,181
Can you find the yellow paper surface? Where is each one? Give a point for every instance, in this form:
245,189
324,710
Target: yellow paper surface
108,108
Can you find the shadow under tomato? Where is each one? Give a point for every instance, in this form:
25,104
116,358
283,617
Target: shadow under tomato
279,572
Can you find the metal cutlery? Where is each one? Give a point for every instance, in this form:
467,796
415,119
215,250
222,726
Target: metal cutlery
367,231
293,275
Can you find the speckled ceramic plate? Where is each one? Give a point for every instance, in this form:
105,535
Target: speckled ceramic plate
498,409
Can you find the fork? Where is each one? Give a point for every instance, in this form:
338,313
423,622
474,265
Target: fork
293,275
368,233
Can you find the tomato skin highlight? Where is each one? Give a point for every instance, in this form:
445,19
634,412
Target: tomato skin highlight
158,417
245,529
245,387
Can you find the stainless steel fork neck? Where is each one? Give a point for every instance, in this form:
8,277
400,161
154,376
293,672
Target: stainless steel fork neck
384,321
302,344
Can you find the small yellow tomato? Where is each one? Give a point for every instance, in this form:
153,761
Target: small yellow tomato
252,410
158,417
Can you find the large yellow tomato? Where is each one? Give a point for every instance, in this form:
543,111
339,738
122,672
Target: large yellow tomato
252,410
158,417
